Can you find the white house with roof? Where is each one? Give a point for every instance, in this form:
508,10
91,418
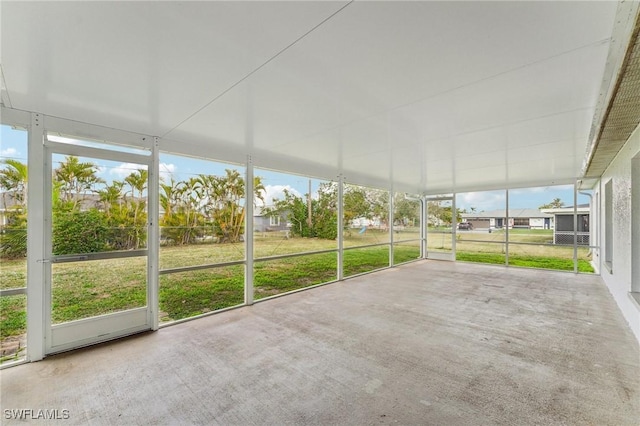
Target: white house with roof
514,218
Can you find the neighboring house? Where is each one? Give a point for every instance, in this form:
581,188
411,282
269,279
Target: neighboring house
7,204
518,218
360,222
563,232
269,223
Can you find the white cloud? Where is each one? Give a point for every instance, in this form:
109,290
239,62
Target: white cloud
481,201
272,192
9,152
125,169
166,171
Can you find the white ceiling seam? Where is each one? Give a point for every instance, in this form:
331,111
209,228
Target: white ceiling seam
435,96
284,49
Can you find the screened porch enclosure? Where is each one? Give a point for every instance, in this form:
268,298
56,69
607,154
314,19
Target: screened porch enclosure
241,151
192,218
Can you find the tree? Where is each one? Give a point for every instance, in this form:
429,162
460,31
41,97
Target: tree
13,178
222,203
555,204
76,179
440,215
324,218
369,203
294,208
168,198
206,204
110,196
186,218
137,205
406,212
325,211
355,204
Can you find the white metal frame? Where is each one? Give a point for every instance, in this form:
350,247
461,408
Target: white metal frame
73,334
40,341
35,246
441,255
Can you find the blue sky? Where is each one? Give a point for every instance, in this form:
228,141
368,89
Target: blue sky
13,144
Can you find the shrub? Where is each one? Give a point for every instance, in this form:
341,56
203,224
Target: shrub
79,232
13,239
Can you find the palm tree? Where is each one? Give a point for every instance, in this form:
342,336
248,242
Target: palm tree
187,216
13,179
76,178
168,198
13,239
138,183
111,195
232,214
555,204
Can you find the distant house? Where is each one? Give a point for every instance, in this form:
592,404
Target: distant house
8,203
564,229
269,223
360,222
518,218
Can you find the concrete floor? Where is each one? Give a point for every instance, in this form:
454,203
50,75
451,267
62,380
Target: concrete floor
430,343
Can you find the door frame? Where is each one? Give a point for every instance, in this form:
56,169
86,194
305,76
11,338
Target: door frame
92,330
441,255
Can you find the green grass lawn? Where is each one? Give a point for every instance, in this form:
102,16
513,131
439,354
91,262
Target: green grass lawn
13,315
541,262
81,290
86,289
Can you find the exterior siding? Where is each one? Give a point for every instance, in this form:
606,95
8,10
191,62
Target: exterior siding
619,278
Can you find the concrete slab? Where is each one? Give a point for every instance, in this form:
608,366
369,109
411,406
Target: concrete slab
426,343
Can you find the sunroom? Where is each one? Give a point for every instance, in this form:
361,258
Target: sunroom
169,161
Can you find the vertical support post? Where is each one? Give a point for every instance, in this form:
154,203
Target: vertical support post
340,213
309,208
424,226
391,207
36,240
575,227
600,225
506,229
153,230
454,226
248,233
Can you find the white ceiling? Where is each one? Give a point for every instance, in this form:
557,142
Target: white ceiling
435,96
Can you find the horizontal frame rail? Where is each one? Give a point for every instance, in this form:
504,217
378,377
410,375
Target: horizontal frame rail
367,246
13,291
200,267
82,257
406,241
290,255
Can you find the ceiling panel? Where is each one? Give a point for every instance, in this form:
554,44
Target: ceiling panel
436,95
141,66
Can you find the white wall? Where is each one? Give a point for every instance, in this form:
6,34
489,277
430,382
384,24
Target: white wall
619,278
536,223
